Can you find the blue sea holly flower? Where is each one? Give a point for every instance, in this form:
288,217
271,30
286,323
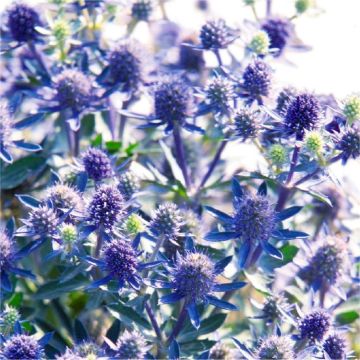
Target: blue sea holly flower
279,31
97,164
348,143
276,347
9,255
335,347
142,9
128,184
7,127
119,259
284,98
8,318
131,345
193,279
244,124
253,223
314,326
85,350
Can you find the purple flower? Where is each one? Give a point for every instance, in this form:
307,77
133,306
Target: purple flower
128,184
275,347
97,164
314,326
142,9
279,31
22,346
245,124
349,144
131,345
335,346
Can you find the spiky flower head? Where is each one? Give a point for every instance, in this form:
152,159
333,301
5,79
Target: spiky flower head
314,142
314,326
22,347
6,124
69,355
303,114
133,225
254,217
126,65
43,220
328,263
278,154
351,108
349,144
131,345
166,221
245,124
65,197
219,93
97,164
22,20
88,350
8,319
260,43
142,9
257,79
193,276
279,31
129,184
335,346
284,99
106,207
271,308
61,30
220,351
7,249
302,6
275,347
69,235
120,259
215,34
73,89
173,100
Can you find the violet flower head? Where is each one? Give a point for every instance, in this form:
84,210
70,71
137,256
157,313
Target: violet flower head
275,347
349,144
142,9
284,98
279,31
220,94
22,21
245,124
128,184
97,164
22,346
131,345
335,346
7,250
43,220
303,114
314,326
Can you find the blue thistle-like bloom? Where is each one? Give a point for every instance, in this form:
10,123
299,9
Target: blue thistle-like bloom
219,94
86,350
97,164
303,114
43,220
284,98
314,326
131,345
335,347
69,355
73,89
245,124
22,20
7,250
126,66
22,346
10,315
215,35
254,222
349,144
279,31
166,221
128,184
275,347
257,79
142,9
274,308
106,208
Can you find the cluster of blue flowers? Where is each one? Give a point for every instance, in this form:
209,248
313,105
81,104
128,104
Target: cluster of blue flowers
125,232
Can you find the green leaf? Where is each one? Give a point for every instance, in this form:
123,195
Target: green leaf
87,125
16,300
130,149
16,173
347,317
97,141
196,346
128,315
113,146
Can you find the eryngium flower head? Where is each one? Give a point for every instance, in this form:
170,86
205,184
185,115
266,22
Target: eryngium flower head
303,5
133,225
120,259
335,347
314,326
6,124
279,31
220,351
327,265
254,217
22,20
69,355
303,113
22,347
215,34
7,249
349,144
166,221
278,154
257,78
275,347
8,318
284,98
126,66
351,108
260,43
219,94
73,89
65,197
193,276
69,235
245,124
106,207
97,164
172,100
88,350
129,184
131,345
142,9
43,220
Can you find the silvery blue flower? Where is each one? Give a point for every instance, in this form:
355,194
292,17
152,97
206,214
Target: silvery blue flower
335,346
97,164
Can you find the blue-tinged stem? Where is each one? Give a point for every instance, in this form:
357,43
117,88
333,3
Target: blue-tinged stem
99,242
76,143
112,119
213,164
179,324
293,164
180,154
218,57
39,59
268,8
153,321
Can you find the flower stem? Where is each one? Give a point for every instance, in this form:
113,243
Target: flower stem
180,154
39,59
293,164
76,143
213,164
153,320
179,324
123,120
99,242
268,8
112,119
218,57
